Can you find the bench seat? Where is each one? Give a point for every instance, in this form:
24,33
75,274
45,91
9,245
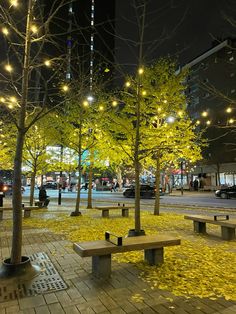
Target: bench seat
105,210
227,224
26,209
101,251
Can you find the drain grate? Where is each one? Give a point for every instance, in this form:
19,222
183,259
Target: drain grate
47,281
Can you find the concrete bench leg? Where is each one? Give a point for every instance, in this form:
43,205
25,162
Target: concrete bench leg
27,213
101,266
227,233
154,256
125,212
199,227
105,213
1,214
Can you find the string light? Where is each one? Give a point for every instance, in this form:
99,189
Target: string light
8,68
231,121
65,88
47,63
204,114
101,108
114,103
14,3
229,110
140,71
34,29
208,122
127,84
5,31
85,103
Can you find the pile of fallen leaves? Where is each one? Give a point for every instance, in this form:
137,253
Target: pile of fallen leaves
201,266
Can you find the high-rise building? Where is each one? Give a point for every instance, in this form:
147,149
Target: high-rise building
212,103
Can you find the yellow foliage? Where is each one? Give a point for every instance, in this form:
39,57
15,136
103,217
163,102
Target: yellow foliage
198,267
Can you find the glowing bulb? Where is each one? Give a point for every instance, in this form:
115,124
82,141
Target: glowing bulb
114,103
127,84
10,106
159,109
14,3
165,101
208,122
2,99
34,29
101,108
204,114
231,121
140,71
13,99
170,119
144,93
198,122
85,103
5,31
180,113
8,68
229,110
65,88
47,63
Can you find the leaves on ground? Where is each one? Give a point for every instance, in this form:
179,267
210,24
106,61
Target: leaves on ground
201,266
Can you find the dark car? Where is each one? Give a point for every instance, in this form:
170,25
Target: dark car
226,192
50,185
146,191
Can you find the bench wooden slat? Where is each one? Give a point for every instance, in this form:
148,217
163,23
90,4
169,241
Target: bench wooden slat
210,219
113,207
103,247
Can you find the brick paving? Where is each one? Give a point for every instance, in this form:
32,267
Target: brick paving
86,294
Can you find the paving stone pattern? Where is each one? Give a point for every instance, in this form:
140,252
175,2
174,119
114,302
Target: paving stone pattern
88,295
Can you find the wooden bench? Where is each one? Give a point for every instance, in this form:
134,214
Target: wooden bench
101,250
105,209
227,225
26,209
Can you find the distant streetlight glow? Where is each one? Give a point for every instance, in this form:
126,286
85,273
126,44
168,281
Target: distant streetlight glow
90,98
170,119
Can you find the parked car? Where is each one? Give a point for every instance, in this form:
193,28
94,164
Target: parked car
50,185
226,192
146,191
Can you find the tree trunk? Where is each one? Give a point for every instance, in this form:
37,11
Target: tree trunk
17,197
157,196
77,205
89,204
32,185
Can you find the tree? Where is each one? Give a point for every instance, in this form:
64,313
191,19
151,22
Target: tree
26,42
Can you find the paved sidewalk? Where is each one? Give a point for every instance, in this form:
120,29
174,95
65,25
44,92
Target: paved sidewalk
124,292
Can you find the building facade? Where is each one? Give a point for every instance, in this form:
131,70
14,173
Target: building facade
212,105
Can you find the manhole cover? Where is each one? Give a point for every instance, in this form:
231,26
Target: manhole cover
47,281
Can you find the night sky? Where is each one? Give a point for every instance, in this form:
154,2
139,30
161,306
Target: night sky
182,28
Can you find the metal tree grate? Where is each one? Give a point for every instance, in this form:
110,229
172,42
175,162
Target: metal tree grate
47,281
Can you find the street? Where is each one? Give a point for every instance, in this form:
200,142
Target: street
196,199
